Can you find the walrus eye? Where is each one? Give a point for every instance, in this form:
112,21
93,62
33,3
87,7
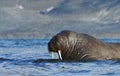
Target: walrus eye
52,55
59,54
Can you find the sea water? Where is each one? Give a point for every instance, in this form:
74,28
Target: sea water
30,57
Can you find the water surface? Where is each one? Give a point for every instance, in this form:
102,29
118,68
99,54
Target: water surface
19,57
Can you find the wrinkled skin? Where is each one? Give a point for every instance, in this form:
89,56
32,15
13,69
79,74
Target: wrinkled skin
76,46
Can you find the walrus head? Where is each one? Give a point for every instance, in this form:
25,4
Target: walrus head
68,45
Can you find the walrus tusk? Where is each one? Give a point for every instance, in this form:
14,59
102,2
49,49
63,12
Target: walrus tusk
52,55
59,54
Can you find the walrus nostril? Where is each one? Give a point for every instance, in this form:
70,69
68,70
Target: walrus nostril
59,54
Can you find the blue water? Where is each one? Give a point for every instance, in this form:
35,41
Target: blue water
29,57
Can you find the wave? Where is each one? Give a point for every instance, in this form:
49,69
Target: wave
22,43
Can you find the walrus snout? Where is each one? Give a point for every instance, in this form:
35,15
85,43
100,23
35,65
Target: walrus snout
54,46
76,46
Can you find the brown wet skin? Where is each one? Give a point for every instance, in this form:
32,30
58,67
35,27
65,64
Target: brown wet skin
78,46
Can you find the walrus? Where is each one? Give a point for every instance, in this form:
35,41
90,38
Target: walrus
71,45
